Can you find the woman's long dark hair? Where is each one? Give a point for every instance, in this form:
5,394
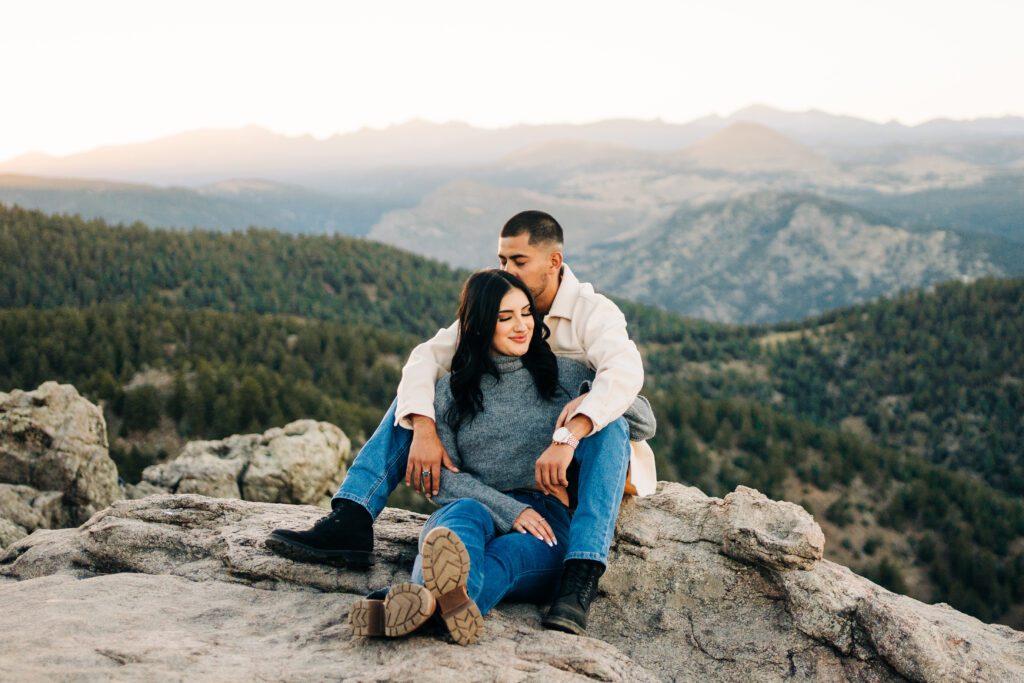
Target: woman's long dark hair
478,314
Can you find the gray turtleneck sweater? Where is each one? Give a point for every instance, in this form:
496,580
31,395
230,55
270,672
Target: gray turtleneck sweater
497,450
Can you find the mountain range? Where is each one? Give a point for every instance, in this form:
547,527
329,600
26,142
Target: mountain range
209,155
877,207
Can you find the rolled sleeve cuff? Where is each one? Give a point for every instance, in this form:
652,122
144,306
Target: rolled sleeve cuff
405,411
587,409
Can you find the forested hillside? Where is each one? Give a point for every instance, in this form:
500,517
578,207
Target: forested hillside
912,526
59,260
861,415
939,373
209,374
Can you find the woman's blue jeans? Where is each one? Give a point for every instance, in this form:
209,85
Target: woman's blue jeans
603,460
515,565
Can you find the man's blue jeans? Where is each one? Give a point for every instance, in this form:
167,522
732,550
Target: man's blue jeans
514,565
380,465
603,460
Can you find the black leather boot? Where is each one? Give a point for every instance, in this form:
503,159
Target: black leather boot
343,538
568,611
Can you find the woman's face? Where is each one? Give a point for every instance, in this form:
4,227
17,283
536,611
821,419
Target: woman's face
514,328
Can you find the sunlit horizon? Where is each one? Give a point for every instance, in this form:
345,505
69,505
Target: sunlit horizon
115,72
413,120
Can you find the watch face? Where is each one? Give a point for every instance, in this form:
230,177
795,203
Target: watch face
561,435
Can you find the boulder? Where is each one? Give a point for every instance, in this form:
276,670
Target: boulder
142,489
10,532
698,588
23,509
54,440
302,462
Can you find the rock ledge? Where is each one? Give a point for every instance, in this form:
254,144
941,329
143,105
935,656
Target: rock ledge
699,588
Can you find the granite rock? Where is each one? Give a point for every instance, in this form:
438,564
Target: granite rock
302,462
55,441
698,588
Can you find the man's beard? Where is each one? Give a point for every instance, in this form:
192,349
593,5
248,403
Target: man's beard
538,290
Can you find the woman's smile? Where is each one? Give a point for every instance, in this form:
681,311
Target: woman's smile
514,327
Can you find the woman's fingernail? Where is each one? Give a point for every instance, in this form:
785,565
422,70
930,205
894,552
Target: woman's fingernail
550,544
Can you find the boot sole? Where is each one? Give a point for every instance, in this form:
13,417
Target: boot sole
366,618
563,624
445,572
351,559
407,607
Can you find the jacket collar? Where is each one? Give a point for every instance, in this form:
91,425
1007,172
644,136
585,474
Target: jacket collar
565,298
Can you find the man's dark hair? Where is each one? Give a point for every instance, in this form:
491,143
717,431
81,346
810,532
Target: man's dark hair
542,227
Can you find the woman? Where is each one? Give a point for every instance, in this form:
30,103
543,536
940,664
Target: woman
495,415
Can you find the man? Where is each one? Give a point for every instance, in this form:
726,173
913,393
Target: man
584,326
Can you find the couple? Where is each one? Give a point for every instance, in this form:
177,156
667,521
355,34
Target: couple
470,440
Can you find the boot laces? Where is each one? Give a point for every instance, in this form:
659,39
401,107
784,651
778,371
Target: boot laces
580,583
325,520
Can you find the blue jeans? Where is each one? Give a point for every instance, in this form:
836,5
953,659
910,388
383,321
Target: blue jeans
603,459
380,465
514,565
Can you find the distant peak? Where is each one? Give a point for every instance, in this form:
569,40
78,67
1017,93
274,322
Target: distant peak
31,158
756,110
749,130
424,124
745,146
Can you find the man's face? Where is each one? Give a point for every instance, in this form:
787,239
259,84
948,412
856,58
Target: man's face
531,263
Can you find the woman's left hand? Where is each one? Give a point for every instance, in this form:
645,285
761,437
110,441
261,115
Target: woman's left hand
552,466
530,521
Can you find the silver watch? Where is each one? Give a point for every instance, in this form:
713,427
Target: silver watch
563,435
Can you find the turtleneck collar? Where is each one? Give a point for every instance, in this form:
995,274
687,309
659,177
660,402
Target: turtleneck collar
506,364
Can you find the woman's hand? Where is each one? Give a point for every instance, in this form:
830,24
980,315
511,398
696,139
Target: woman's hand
552,466
426,454
530,521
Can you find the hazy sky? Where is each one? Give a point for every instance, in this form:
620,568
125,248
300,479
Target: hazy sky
80,74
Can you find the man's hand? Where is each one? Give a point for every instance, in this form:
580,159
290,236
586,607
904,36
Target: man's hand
530,521
552,466
426,454
568,410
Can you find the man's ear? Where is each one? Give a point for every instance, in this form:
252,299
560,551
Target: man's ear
555,259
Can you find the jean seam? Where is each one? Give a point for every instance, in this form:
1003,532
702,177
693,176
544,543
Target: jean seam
383,478
577,555
608,534
365,502
531,572
379,481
